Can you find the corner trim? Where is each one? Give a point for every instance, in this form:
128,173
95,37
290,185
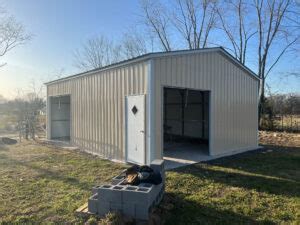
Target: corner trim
150,114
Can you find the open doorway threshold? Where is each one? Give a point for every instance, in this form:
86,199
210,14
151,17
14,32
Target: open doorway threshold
185,154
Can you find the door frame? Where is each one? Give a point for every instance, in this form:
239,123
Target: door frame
210,127
126,125
49,116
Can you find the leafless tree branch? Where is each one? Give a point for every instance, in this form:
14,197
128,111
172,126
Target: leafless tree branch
12,34
238,32
133,45
194,20
157,20
96,53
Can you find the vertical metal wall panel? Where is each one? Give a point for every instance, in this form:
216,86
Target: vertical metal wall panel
98,101
233,97
98,107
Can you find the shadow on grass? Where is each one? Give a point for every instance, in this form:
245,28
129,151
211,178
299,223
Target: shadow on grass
192,212
46,173
276,161
259,165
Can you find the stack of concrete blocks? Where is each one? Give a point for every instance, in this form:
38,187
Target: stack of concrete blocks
134,201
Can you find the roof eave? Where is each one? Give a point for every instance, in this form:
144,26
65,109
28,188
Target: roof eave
238,63
157,55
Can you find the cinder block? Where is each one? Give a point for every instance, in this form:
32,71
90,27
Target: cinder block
95,189
131,188
158,165
137,195
128,209
103,208
147,185
134,201
115,207
141,212
93,204
159,197
156,189
107,186
110,193
117,180
118,187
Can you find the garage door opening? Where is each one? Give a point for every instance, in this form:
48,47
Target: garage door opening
60,118
186,125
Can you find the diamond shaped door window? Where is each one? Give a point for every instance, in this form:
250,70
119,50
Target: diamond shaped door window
134,110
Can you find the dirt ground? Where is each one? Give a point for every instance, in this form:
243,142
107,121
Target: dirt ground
281,139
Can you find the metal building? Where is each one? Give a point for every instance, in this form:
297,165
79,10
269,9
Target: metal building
182,104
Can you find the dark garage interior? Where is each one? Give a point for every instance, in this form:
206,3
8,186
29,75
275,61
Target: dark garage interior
186,122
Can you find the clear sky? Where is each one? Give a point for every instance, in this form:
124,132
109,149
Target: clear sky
61,26
58,28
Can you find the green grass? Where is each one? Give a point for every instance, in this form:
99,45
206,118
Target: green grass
253,188
43,184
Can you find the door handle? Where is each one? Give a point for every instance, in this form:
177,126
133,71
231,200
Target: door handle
142,131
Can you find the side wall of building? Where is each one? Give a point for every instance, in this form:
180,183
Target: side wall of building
98,107
233,97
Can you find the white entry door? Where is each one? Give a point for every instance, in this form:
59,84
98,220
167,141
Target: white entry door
135,129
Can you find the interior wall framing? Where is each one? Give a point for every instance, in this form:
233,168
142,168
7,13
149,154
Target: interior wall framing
186,114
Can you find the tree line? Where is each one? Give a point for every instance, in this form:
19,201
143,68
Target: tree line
26,112
282,112
260,31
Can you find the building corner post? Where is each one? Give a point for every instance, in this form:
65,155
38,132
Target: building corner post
150,114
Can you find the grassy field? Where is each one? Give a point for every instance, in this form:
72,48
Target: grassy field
42,184
261,187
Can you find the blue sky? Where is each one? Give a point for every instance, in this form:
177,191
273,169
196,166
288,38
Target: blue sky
61,26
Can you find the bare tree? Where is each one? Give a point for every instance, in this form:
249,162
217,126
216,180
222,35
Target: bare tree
237,28
100,51
12,33
133,45
60,73
27,107
96,53
274,29
156,18
268,27
194,19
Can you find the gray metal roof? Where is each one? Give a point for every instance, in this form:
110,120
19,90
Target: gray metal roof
160,54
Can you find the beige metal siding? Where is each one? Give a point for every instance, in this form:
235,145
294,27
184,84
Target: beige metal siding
98,107
98,102
233,97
